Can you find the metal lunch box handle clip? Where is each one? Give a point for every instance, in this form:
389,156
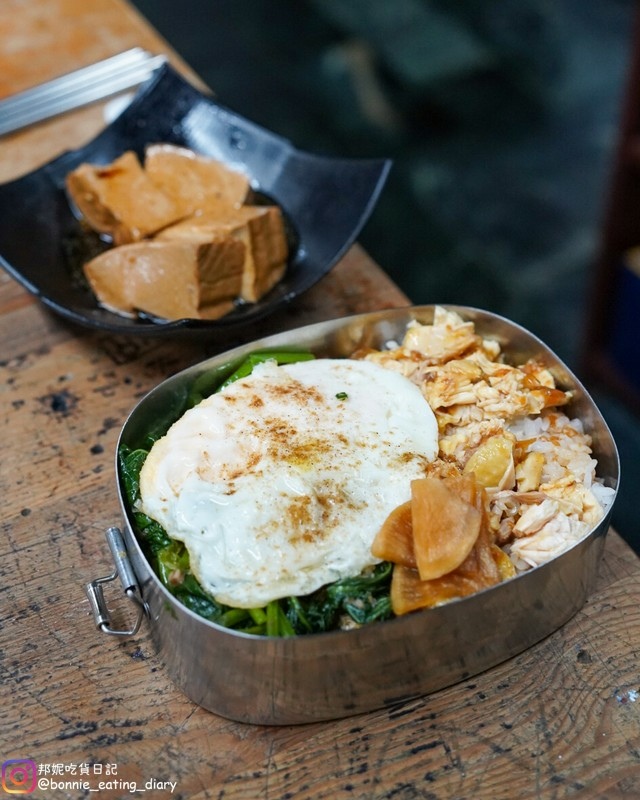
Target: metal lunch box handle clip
129,583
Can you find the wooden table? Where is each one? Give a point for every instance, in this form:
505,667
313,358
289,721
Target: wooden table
561,720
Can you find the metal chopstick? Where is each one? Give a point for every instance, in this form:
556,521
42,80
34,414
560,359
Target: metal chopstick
77,88
71,80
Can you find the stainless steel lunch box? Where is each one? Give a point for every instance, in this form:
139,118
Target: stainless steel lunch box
326,676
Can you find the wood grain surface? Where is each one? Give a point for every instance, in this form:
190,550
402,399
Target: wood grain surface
562,720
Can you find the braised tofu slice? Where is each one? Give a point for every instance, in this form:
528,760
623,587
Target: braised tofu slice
260,228
120,200
194,181
169,279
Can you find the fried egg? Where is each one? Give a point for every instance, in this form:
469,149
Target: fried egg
278,484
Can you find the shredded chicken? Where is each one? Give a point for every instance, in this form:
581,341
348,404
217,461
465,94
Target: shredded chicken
504,423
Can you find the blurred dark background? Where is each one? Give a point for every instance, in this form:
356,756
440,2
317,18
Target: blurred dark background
502,121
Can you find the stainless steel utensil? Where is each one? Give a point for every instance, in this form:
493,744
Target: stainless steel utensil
75,89
330,675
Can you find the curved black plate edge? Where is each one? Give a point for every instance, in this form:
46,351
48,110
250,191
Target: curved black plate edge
164,83
161,86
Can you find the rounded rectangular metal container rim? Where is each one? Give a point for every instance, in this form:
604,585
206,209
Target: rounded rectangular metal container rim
549,594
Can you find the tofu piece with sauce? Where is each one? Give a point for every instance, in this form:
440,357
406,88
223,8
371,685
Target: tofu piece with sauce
120,200
196,182
169,279
260,228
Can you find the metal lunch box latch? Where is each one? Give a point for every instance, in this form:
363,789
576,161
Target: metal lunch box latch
124,571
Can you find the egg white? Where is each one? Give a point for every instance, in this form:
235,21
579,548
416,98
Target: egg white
278,484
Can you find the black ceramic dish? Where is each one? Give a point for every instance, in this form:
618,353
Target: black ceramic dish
326,202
